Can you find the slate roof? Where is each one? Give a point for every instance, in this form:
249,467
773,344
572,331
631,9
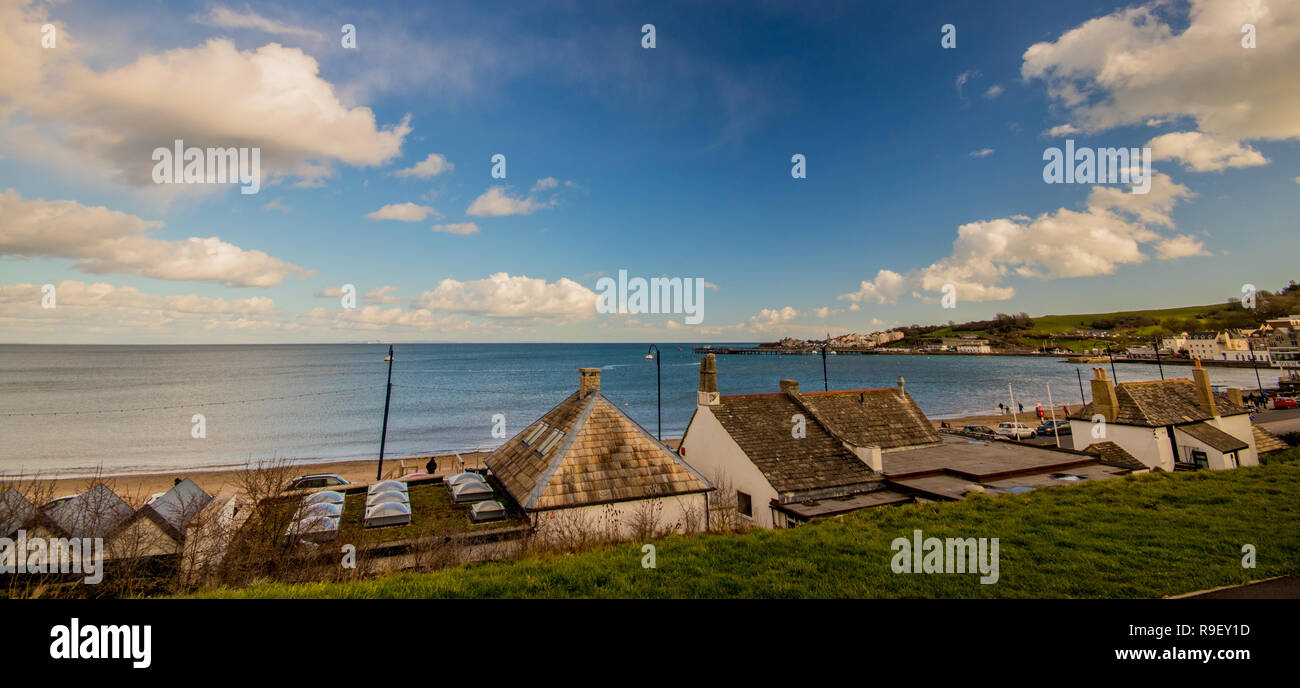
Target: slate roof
96,512
1266,441
173,509
604,456
887,418
761,425
1158,403
1214,437
1112,454
15,511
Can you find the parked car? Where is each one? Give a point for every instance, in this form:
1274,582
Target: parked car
979,430
1016,431
307,482
1052,428
1285,403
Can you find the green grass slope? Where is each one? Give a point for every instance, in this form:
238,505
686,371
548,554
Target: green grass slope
1140,536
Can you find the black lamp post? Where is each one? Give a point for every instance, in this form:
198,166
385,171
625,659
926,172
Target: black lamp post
653,352
383,436
1255,365
826,383
1158,363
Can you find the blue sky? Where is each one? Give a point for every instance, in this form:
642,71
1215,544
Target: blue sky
672,161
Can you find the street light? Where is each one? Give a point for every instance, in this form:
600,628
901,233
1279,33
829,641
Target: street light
826,383
653,353
383,436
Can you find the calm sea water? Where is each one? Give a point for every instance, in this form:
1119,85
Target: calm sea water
73,410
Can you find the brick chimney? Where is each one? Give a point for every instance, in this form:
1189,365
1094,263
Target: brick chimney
1204,394
708,394
1104,400
1234,395
588,381
790,386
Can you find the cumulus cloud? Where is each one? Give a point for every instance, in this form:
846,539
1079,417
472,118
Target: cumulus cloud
431,166
104,307
1132,66
772,318
211,95
382,295
982,153
107,241
505,296
544,184
496,202
1061,130
375,318
1204,153
405,212
994,91
1109,232
462,228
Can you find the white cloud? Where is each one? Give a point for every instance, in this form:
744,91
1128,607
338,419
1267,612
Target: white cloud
226,17
965,77
1131,66
994,91
431,166
328,292
97,307
496,202
405,212
1204,153
1109,232
504,296
772,317
212,95
277,204
544,184
462,228
982,153
1061,130
383,295
107,241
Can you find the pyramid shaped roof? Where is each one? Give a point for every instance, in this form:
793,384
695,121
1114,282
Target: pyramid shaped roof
587,451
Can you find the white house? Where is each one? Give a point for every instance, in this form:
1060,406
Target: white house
587,465
1167,423
793,456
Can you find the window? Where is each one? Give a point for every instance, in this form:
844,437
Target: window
1200,459
534,434
744,504
546,446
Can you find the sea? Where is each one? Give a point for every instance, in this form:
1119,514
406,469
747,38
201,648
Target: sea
71,411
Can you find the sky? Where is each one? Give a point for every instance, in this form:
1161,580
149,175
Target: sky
922,128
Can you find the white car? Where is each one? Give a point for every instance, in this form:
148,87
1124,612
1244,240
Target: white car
1016,431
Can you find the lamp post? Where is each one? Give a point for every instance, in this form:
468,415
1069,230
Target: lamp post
1255,365
826,383
653,352
383,435
1158,363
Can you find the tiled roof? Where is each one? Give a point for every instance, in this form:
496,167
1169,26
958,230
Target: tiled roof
174,509
97,512
1158,403
15,511
604,456
1266,441
1214,437
887,418
761,425
1114,455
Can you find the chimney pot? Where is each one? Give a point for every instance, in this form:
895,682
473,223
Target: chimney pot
1104,399
790,386
588,381
708,394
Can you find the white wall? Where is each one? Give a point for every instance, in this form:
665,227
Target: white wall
1148,445
618,520
711,451
1239,426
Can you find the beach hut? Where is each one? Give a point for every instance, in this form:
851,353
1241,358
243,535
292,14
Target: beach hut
159,526
388,514
16,512
488,510
97,512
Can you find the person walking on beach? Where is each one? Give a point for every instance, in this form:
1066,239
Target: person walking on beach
1022,407
1002,409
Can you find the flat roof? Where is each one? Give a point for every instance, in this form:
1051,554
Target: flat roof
839,505
983,460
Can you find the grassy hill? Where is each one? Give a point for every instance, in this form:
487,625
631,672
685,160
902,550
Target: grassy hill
1140,536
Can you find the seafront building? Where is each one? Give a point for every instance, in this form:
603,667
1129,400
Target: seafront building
586,464
793,456
1168,424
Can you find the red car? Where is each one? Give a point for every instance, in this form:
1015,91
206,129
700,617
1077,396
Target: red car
1284,403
